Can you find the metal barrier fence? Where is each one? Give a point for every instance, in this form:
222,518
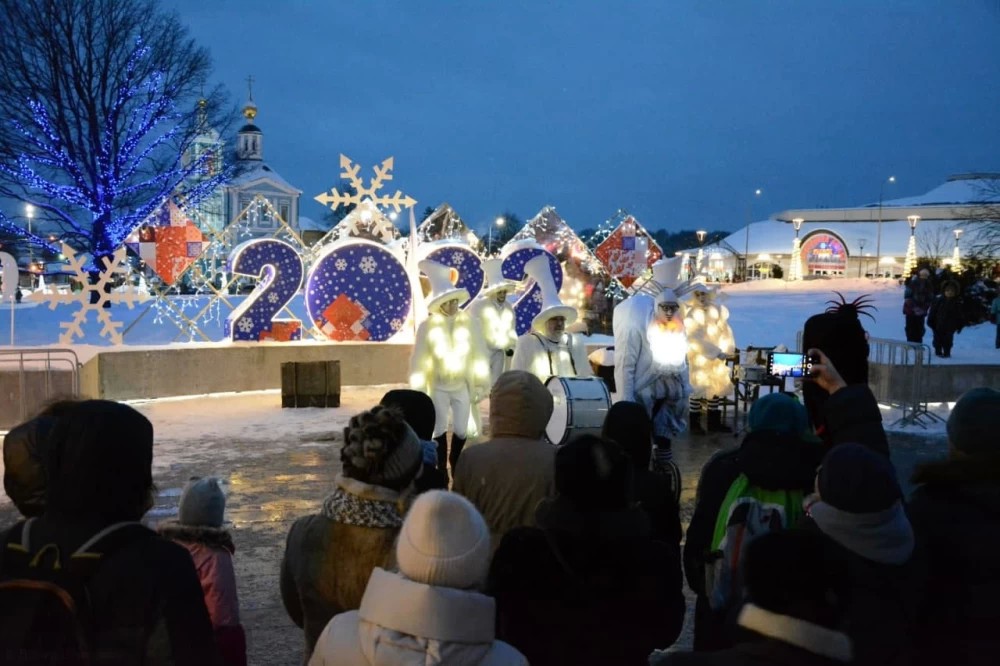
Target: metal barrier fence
896,372
32,377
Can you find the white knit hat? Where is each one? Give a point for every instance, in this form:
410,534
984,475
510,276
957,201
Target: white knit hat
444,541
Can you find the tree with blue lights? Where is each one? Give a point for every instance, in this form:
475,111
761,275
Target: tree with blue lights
97,108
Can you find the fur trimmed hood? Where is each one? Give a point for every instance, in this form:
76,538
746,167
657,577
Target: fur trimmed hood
215,537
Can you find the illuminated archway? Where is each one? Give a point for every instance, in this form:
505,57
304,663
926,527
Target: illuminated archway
824,253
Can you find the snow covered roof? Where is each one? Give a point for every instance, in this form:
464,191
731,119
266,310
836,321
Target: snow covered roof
445,223
309,224
555,235
259,172
956,199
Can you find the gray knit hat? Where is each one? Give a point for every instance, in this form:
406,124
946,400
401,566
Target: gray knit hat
974,421
202,503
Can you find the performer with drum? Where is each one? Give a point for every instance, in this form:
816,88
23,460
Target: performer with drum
495,318
547,350
449,362
651,355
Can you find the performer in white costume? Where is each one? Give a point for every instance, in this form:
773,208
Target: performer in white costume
547,350
651,355
450,362
495,317
710,343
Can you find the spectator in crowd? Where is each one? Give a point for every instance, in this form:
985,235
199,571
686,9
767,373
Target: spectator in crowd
143,602
778,454
329,556
431,611
916,302
628,424
945,318
25,449
418,412
858,506
797,595
849,413
588,585
839,333
508,475
956,518
198,528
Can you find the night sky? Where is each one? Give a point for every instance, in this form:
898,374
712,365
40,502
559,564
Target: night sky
674,110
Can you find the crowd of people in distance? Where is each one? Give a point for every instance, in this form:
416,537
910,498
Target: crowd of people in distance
802,548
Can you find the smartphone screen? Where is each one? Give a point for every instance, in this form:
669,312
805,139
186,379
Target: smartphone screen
786,364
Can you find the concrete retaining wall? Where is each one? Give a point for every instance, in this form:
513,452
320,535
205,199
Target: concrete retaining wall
16,405
160,373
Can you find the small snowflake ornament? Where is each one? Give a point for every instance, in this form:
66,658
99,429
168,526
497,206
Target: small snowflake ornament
341,264
245,324
368,264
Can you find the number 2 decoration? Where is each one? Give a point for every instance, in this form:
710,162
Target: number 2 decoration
356,289
279,268
529,304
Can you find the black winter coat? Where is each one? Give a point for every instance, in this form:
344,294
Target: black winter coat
956,520
24,478
586,588
146,598
771,460
656,498
882,604
852,416
945,315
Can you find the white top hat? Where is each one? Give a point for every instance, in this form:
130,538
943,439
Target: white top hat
538,270
667,273
442,289
495,281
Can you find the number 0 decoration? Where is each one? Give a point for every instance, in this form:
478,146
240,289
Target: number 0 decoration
358,290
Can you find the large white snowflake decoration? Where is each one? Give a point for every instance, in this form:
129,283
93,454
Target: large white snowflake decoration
128,295
383,173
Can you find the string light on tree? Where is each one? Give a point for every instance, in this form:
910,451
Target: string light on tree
911,247
796,268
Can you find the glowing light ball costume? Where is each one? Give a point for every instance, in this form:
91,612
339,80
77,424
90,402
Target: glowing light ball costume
547,350
711,342
449,362
651,354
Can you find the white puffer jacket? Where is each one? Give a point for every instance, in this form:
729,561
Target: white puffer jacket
405,623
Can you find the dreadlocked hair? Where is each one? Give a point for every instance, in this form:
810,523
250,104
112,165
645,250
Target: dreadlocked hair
859,306
369,439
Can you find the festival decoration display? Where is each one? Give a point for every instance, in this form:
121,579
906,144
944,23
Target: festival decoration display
586,280
464,260
383,174
627,251
279,269
529,302
445,224
168,242
365,222
358,290
94,297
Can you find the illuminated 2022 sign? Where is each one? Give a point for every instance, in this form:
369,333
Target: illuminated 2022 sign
355,290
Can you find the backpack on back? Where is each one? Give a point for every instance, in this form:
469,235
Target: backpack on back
45,610
747,512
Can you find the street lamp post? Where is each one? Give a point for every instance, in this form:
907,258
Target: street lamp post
29,211
746,249
861,255
911,248
878,240
796,268
701,233
956,260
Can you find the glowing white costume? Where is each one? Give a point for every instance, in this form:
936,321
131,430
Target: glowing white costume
710,340
449,364
651,357
535,352
495,320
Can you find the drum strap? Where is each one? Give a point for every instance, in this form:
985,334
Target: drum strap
552,369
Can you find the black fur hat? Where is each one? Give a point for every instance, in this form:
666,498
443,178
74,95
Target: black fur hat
838,333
